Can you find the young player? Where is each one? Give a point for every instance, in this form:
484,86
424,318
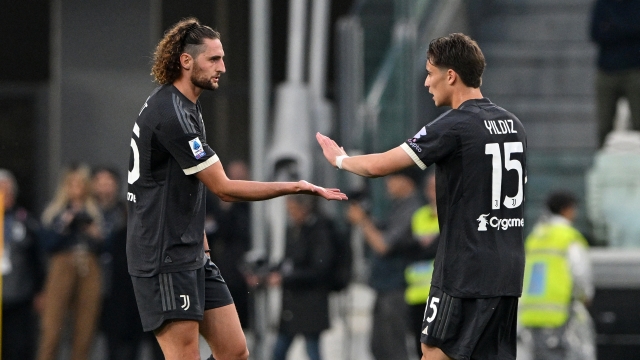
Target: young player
479,152
179,291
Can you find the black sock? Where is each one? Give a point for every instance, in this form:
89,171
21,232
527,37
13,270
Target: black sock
211,357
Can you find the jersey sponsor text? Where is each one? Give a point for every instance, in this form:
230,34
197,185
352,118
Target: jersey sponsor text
497,223
415,146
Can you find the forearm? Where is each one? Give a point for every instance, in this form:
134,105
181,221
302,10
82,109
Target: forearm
376,165
239,190
370,165
215,179
206,244
374,237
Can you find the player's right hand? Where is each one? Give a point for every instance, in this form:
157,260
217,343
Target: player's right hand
330,149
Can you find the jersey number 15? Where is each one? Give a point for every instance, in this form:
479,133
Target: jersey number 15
493,149
134,174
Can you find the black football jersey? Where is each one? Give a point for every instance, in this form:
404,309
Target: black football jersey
480,154
166,202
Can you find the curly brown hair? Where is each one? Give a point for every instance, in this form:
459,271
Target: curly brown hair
185,36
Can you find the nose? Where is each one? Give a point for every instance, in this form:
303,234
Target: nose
426,82
222,67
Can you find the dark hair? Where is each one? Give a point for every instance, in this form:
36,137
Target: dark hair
560,200
185,36
115,174
412,173
461,54
306,201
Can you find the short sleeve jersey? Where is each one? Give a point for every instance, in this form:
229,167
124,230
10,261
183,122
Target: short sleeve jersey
480,154
166,202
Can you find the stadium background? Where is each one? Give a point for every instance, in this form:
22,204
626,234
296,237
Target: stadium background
76,73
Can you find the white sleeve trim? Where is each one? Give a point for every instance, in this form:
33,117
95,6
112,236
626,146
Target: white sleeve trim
210,161
413,156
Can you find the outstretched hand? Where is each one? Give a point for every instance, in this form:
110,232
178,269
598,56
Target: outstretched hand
329,148
329,194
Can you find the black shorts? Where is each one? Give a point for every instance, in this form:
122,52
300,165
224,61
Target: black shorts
471,328
180,295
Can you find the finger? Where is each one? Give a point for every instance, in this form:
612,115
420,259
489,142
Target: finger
322,139
337,195
328,141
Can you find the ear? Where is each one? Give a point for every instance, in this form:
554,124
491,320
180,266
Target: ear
452,77
186,61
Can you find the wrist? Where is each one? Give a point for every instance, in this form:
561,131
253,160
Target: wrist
339,160
301,186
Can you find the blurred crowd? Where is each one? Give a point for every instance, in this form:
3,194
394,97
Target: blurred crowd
65,277
64,274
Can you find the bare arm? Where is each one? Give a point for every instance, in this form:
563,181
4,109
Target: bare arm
371,165
206,243
372,235
217,181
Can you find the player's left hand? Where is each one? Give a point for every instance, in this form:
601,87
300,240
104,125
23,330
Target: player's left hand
329,148
329,194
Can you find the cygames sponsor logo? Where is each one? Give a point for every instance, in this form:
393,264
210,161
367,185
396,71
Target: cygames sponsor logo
497,223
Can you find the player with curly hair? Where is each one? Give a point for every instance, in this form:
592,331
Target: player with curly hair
179,291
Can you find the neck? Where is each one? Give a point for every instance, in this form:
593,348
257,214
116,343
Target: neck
463,94
187,88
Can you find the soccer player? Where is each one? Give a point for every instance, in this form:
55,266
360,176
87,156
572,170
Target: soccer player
179,291
479,152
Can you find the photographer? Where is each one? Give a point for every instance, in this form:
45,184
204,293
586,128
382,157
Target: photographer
73,238
388,261
303,275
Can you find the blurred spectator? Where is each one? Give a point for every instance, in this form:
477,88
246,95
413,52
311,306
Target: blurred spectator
106,190
22,275
303,275
615,28
425,230
120,318
227,226
105,186
73,225
389,328
557,285
121,322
